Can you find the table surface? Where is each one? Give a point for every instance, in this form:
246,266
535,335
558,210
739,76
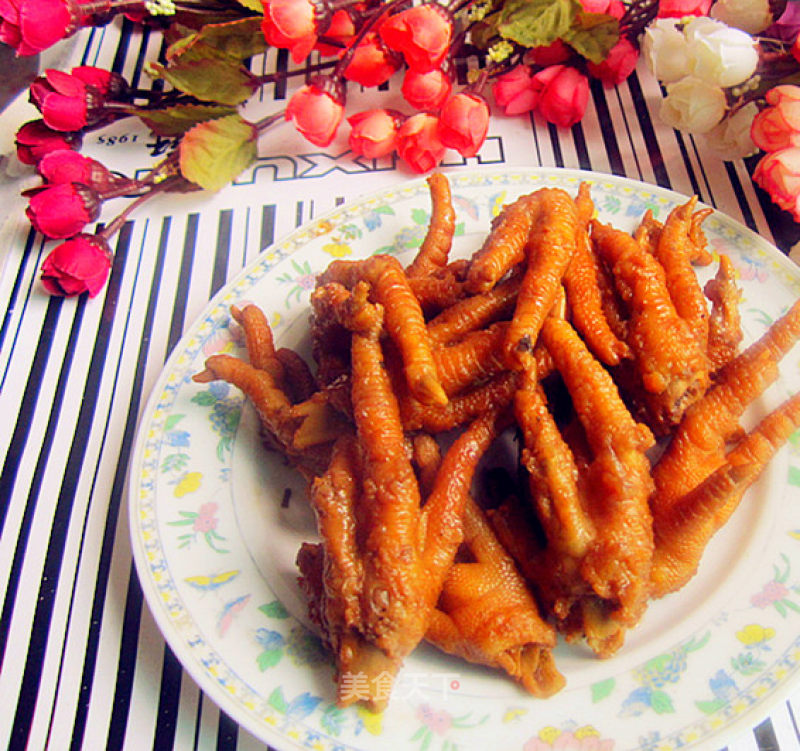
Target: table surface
83,663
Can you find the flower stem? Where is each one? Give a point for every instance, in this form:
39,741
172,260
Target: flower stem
115,225
279,76
268,121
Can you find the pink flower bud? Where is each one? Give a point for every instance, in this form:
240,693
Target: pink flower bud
67,166
76,266
372,63
292,25
463,123
422,33
778,173
608,7
30,26
63,210
681,8
34,140
564,94
515,91
426,91
618,64
373,133
65,101
418,142
317,109
341,31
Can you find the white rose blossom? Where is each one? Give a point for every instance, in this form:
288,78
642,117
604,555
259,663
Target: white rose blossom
719,54
751,16
664,50
731,138
693,105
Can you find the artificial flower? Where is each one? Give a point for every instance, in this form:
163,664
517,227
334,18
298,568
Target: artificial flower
422,34
732,139
31,26
664,49
418,142
614,8
65,101
463,123
372,63
373,133
35,139
778,125
428,90
338,34
63,210
778,173
316,109
681,8
694,105
77,265
549,54
617,65
67,166
515,91
786,27
751,16
292,25
719,54
110,85
563,94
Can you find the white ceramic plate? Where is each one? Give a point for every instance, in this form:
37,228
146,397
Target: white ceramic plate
215,532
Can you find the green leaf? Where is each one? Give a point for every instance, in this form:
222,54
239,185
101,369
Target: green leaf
255,5
274,609
533,23
661,703
239,39
593,35
602,689
213,153
268,658
175,121
204,399
206,73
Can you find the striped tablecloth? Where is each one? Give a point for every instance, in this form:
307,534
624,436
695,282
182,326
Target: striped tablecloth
83,664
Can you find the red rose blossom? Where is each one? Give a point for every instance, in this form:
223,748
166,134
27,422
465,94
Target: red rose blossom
292,25
373,63
30,26
418,142
426,91
34,140
618,64
76,266
515,91
373,133
680,8
63,210
778,125
65,166
463,123
422,33
317,109
563,94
